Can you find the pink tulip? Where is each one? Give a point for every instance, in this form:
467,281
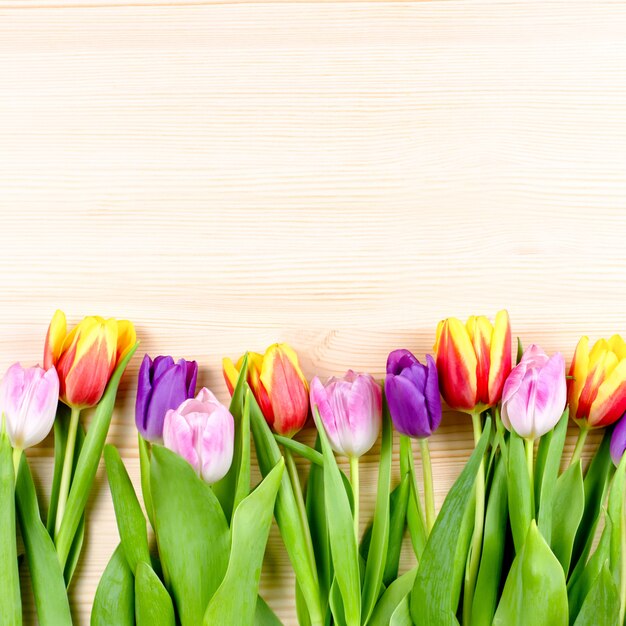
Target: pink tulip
202,431
28,401
351,411
534,394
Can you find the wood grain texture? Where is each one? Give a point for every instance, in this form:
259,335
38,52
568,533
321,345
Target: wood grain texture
336,175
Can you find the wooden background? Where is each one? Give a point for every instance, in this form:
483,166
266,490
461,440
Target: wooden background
337,175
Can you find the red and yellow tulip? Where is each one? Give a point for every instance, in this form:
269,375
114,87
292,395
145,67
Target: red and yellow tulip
473,361
85,357
278,384
597,387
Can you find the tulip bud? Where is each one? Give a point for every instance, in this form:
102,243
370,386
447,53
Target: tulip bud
618,440
534,394
597,388
85,357
473,361
202,431
28,401
278,385
351,411
412,392
162,385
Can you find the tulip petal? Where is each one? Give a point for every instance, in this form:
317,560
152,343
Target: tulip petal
610,401
407,407
178,436
500,356
431,394
126,339
231,374
578,373
618,441
601,363
480,331
399,360
217,445
54,339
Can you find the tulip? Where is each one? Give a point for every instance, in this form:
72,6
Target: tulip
85,357
202,431
473,361
412,392
162,385
28,402
618,440
351,411
597,388
534,394
278,385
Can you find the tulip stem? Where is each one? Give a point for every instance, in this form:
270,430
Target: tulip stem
479,521
354,481
68,463
17,457
529,445
429,492
580,444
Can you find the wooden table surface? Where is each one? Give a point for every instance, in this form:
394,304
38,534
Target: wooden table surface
337,175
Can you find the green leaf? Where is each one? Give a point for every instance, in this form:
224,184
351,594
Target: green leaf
399,500
601,606
520,502
568,504
520,351
144,469
547,466
115,597
534,593
392,597
402,615
226,488
264,616
61,424
243,475
10,600
343,544
287,515
486,593
616,513
301,449
153,605
579,588
336,605
377,554
88,461
46,576
596,481
75,550
192,534
414,515
434,596
235,600
130,520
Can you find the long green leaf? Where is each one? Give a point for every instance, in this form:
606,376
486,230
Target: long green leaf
520,508
434,596
302,449
114,603
235,600
616,513
46,576
243,475
287,515
88,461
192,534
398,503
10,601
226,488
392,597
144,470
568,505
61,424
547,470
130,520
153,605
402,615
601,606
534,593
596,481
487,588
343,544
414,514
264,616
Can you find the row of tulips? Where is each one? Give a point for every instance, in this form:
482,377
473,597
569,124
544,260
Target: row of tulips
513,542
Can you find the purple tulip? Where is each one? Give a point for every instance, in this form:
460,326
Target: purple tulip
162,385
28,401
202,431
618,440
351,411
534,394
412,392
